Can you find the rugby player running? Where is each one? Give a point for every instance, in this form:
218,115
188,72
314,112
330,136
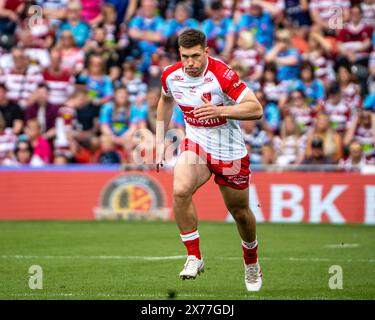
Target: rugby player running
213,100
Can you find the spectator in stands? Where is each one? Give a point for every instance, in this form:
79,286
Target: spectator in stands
41,146
98,46
354,40
297,12
152,103
125,9
107,153
326,19
46,113
109,24
317,156
136,88
259,22
12,113
368,12
21,80
54,10
351,91
271,113
220,30
332,142
313,88
248,56
158,64
60,83
255,137
10,11
362,130
120,121
303,114
24,155
320,54
289,146
91,11
37,54
274,90
147,30
7,141
285,57
79,29
87,124
182,20
356,158
339,112
97,83
268,154
72,57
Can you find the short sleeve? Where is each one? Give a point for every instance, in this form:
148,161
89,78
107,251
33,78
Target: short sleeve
232,86
164,85
105,114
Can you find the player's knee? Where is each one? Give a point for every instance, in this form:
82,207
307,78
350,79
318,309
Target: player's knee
240,214
182,193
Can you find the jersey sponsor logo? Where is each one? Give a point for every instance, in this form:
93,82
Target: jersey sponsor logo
178,78
237,84
192,89
228,74
193,121
132,197
178,95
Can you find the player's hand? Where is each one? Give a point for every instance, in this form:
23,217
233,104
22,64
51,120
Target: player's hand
159,156
207,110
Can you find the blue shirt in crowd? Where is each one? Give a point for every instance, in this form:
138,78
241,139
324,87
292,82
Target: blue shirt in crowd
173,27
314,91
81,32
217,31
285,73
121,121
262,26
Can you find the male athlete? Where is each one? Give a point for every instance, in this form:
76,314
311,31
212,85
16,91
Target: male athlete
212,99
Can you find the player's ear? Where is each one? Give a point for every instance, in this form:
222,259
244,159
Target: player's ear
206,50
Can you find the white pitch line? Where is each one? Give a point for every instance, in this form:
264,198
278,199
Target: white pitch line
96,257
141,295
342,246
156,258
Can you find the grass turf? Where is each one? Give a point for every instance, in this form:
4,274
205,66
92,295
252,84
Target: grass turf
116,260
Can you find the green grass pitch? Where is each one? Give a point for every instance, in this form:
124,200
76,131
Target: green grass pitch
142,260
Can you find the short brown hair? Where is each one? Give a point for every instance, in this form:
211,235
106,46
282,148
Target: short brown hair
191,38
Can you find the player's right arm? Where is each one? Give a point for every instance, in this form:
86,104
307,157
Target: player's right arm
163,118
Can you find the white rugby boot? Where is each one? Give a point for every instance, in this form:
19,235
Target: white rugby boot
253,277
192,267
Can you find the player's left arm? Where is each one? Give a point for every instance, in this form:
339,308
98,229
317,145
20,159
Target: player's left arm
248,108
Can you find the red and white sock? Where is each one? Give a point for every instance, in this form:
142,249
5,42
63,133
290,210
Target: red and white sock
191,242
250,249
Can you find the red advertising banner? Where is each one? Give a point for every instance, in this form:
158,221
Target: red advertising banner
291,197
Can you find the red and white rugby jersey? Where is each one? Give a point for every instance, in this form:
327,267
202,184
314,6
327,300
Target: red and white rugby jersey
304,117
220,137
340,115
60,86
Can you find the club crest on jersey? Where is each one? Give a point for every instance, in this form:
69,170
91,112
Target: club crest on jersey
207,95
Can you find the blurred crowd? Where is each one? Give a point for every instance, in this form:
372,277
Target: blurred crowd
79,79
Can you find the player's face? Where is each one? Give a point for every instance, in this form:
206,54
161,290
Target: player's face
194,60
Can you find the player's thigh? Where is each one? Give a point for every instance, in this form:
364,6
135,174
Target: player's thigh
189,173
235,199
